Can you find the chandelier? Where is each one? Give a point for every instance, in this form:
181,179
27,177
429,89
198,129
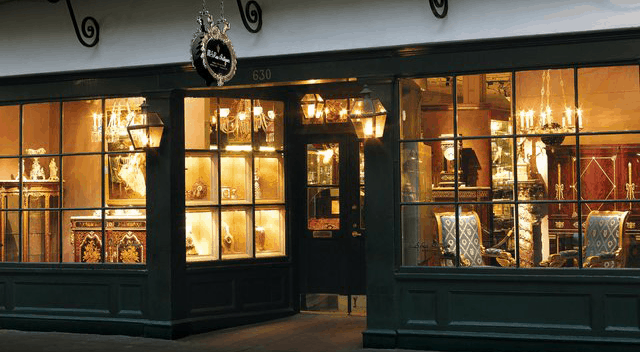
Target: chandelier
543,121
235,122
119,117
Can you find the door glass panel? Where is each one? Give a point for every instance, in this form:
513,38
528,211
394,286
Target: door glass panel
323,205
322,164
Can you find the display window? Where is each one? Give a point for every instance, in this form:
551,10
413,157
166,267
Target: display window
66,208
234,172
544,162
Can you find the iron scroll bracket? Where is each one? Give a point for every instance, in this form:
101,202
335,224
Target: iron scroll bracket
439,7
251,15
89,27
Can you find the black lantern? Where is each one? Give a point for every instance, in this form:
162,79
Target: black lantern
145,130
312,106
367,115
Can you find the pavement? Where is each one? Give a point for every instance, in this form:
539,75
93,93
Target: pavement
301,332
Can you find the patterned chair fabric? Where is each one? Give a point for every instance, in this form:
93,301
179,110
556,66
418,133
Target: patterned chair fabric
604,231
469,223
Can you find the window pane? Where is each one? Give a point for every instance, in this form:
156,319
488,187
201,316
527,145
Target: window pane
10,133
82,181
82,236
268,124
40,235
41,128
426,108
202,234
125,179
548,234
200,123
234,123
484,104
82,121
501,168
336,110
416,172
201,175
545,101
118,114
236,230
10,229
609,98
9,169
541,166
235,179
421,238
269,178
269,231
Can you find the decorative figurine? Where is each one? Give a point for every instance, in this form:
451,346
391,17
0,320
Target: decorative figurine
53,170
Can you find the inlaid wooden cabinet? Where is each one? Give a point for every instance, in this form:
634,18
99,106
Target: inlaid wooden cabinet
40,228
125,238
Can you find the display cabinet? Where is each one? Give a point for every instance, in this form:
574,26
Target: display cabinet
40,229
125,237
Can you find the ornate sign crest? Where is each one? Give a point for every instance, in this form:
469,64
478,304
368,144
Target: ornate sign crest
212,53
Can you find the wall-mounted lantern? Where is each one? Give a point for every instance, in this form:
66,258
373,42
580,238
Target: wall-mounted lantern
368,115
312,106
145,129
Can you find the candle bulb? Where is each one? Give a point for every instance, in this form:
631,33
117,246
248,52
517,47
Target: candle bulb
521,119
563,121
579,118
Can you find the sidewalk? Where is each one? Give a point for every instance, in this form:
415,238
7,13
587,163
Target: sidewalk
301,332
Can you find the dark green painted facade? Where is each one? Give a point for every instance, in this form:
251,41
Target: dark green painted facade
424,308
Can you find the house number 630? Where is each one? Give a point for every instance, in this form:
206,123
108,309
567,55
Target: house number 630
261,75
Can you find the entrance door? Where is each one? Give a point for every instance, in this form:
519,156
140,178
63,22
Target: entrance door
332,235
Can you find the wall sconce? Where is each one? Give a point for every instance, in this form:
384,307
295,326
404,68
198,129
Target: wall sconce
145,129
312,106
368,115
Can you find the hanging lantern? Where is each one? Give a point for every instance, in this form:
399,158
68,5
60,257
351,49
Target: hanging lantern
145,129
367,115
312,106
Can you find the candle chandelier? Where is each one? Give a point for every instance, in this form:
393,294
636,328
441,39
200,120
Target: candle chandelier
118,118
544,121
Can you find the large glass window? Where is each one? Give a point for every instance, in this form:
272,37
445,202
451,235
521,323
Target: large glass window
71,190
522,169
234,178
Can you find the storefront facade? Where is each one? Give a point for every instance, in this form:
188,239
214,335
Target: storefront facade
256,200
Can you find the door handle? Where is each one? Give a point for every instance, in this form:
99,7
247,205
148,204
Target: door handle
356,234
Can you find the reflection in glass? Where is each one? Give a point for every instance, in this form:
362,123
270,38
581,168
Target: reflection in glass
82,181
502,168
201,235
322,164
416,172
236,228
323,208
269,231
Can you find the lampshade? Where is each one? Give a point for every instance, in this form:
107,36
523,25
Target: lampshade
312,106
145,129
368,116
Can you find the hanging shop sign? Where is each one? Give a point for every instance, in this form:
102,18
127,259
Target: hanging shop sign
212,53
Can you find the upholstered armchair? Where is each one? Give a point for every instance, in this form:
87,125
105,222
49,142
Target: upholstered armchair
471,249
603,245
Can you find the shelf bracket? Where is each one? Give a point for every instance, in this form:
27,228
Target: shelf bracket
89,27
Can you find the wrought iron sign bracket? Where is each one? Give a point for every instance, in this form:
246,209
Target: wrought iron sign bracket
251,15
438,7
90,27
